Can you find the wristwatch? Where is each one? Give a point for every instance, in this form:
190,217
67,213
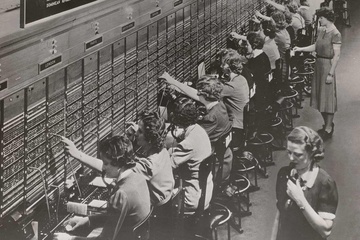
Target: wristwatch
302,207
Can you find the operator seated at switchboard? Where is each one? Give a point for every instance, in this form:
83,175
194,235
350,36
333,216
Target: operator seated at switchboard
129,201
216,121
191,146
152,158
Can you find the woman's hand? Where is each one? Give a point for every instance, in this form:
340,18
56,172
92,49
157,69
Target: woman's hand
76,222
235,35
70,148
296,49
295,192
131,129
166,76
62,236
258,14
255,19
329,79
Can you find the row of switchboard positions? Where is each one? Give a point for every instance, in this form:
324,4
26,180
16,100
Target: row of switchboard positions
92,96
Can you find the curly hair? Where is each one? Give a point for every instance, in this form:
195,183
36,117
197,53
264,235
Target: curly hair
326,13
154,129
304,3
185,112
209,87
222,53
255,40
234,60
269,29
215,66
279,19
293,6
288,17
119,150
312,140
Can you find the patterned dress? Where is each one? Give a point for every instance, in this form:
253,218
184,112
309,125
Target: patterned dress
323,96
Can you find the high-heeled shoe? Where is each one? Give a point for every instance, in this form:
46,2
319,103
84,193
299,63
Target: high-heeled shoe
321,131
326,135
332,129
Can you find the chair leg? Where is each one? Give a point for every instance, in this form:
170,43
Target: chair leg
255,176
229,232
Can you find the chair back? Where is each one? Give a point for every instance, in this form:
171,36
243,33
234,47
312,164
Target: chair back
142,230
205,168
278,70
220,147
249,122
201,69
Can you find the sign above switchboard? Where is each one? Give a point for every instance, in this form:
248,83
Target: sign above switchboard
34,10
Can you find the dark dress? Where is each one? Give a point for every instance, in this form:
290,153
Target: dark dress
322,197
323,96
260,66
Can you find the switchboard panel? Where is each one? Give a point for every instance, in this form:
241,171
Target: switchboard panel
92,96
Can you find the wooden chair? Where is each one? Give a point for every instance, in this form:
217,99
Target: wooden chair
142,230
208,220
220,147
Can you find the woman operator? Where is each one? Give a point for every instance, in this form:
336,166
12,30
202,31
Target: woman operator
306,195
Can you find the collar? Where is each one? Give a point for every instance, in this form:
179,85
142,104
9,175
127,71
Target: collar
256,52
211,105
233,76
330,28
309,177
304,7
124,174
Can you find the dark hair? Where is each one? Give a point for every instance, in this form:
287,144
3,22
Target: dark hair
269,29
279,19
304,3
185,112
270,10
214,68
255,40
119,150
312,140
154,129
326,13
209,87
288,17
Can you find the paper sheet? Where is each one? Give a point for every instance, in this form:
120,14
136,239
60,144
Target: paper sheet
98,182
98,204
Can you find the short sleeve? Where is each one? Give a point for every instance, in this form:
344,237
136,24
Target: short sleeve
179,155
336,38
227,91
328,199
281,186
145,167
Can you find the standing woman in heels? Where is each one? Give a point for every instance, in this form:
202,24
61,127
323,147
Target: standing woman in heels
323,89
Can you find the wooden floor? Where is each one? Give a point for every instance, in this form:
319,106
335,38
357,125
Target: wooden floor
342,155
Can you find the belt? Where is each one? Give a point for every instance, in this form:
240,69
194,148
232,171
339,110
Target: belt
324,57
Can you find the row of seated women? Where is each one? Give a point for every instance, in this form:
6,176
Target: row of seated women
284,26
144,177
189,141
